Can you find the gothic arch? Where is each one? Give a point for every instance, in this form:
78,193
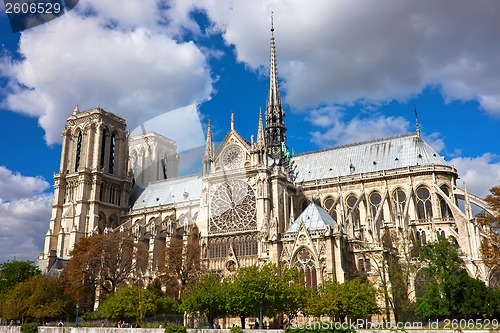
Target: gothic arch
423,203
113,222
420,281
306,262
445,210
353,211
330,205
101,222
399,199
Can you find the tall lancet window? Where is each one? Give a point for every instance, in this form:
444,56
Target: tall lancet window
78,151
375,202
111,167
352,212
304,261
103,148
446,213
424,204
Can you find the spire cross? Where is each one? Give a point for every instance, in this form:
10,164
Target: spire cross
232,121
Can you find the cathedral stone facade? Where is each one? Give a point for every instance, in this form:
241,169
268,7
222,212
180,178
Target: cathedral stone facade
332,213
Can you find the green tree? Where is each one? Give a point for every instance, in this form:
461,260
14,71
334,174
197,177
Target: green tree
130,303
449,292
353,298
207,296
254,290
40,297
291,292
12,273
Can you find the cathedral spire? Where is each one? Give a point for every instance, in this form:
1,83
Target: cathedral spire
261,139
209,153
275,115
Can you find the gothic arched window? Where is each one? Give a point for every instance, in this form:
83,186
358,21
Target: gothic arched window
399,199
78,151
440,233
328,204
375,202
112,147
421,240
304,261
424,204
445,209
305,203
352,212
103,148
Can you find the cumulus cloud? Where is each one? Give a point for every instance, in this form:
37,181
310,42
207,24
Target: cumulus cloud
479,173
14,186
24,215
345,51
124,63
334,130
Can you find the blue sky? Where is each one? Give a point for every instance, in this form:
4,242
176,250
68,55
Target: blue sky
349,71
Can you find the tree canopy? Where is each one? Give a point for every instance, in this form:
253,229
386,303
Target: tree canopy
353,298
448,291
181,265
208,296
490,245
102,262
14,272
134,302
40,297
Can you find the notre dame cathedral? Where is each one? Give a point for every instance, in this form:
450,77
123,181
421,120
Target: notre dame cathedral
330,212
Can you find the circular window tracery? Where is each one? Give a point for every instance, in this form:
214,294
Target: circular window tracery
233,207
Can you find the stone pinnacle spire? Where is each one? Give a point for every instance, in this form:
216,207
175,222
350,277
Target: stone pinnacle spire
209,153
261,139
275,115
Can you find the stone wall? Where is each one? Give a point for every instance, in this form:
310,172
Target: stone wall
10,329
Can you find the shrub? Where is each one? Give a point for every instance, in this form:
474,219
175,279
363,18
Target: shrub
29,328
236,329
175,328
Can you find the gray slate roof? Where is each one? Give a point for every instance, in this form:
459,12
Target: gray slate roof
169,191
314,217
371,156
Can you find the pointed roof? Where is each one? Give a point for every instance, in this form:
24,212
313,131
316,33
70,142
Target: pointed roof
209,146
261,139
274,98
275,114
314,217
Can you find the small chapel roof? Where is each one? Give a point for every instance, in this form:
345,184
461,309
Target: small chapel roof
371,156
314,218
169,191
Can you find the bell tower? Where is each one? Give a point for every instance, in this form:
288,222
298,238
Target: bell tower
92,187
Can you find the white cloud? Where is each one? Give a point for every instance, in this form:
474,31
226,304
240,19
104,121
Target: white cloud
24,215
14,186
332,52
339,132
133,69
479,173
124,56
